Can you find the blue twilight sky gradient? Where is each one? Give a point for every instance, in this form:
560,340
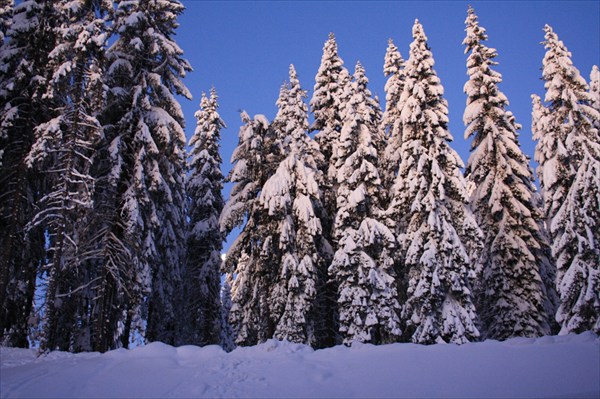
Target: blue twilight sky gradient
244,49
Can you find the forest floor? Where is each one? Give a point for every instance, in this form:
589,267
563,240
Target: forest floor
548,367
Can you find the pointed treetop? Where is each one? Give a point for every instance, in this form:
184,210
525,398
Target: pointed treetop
471,16
393,61
419,47
208,104
595,86
203,100
563,80
291,121
213,94
330,45
554,43
551,36
293,75
358,69
417,30
475,33
595,74
283,96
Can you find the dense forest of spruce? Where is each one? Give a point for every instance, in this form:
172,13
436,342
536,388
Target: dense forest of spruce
364,225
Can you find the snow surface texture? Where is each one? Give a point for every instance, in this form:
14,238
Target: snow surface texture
549,367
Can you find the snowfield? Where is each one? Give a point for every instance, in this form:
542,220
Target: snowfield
550,367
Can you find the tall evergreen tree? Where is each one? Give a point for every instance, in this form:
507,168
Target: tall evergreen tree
147,165
577,230
429,207
547,270
327,106
363,265
511,301
595,93
249,257
293,200
227,339
329,98
568,108
568,158
63,150
23,83
205,241
393,68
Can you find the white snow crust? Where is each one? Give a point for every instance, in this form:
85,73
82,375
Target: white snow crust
550,367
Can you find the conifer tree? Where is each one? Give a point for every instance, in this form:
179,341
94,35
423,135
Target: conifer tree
328,99
512,293
147,163
293,200
204,185
565,89
391,123
249,257
595,93
227,339
577,230
63,151
327,106
429,207
547,270
363,264
568,158
23,82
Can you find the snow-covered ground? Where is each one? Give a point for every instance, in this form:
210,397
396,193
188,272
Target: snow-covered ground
552,367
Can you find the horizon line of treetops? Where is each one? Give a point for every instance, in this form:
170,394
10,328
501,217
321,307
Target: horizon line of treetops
111,233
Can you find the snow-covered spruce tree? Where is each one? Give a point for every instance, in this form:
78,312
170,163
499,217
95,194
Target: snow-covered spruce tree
567,154
205,241
436,231
227,339
329,99
547,269
293,200
327,104
6,10
23,79
118,264
511,293
576,246
595,93
63,151
363,265
249,257
146,142
568,113
391,125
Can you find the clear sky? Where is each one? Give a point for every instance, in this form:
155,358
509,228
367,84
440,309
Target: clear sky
244,49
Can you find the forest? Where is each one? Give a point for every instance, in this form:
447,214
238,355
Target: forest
362,225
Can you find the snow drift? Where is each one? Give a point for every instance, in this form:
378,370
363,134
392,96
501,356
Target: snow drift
552,366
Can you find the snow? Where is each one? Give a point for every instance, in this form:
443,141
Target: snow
551,366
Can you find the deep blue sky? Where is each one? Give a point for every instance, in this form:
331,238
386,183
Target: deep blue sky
244,49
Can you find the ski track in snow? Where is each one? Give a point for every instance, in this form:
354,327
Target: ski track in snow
552,367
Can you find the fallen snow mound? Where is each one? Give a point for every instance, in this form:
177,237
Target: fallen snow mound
553,367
